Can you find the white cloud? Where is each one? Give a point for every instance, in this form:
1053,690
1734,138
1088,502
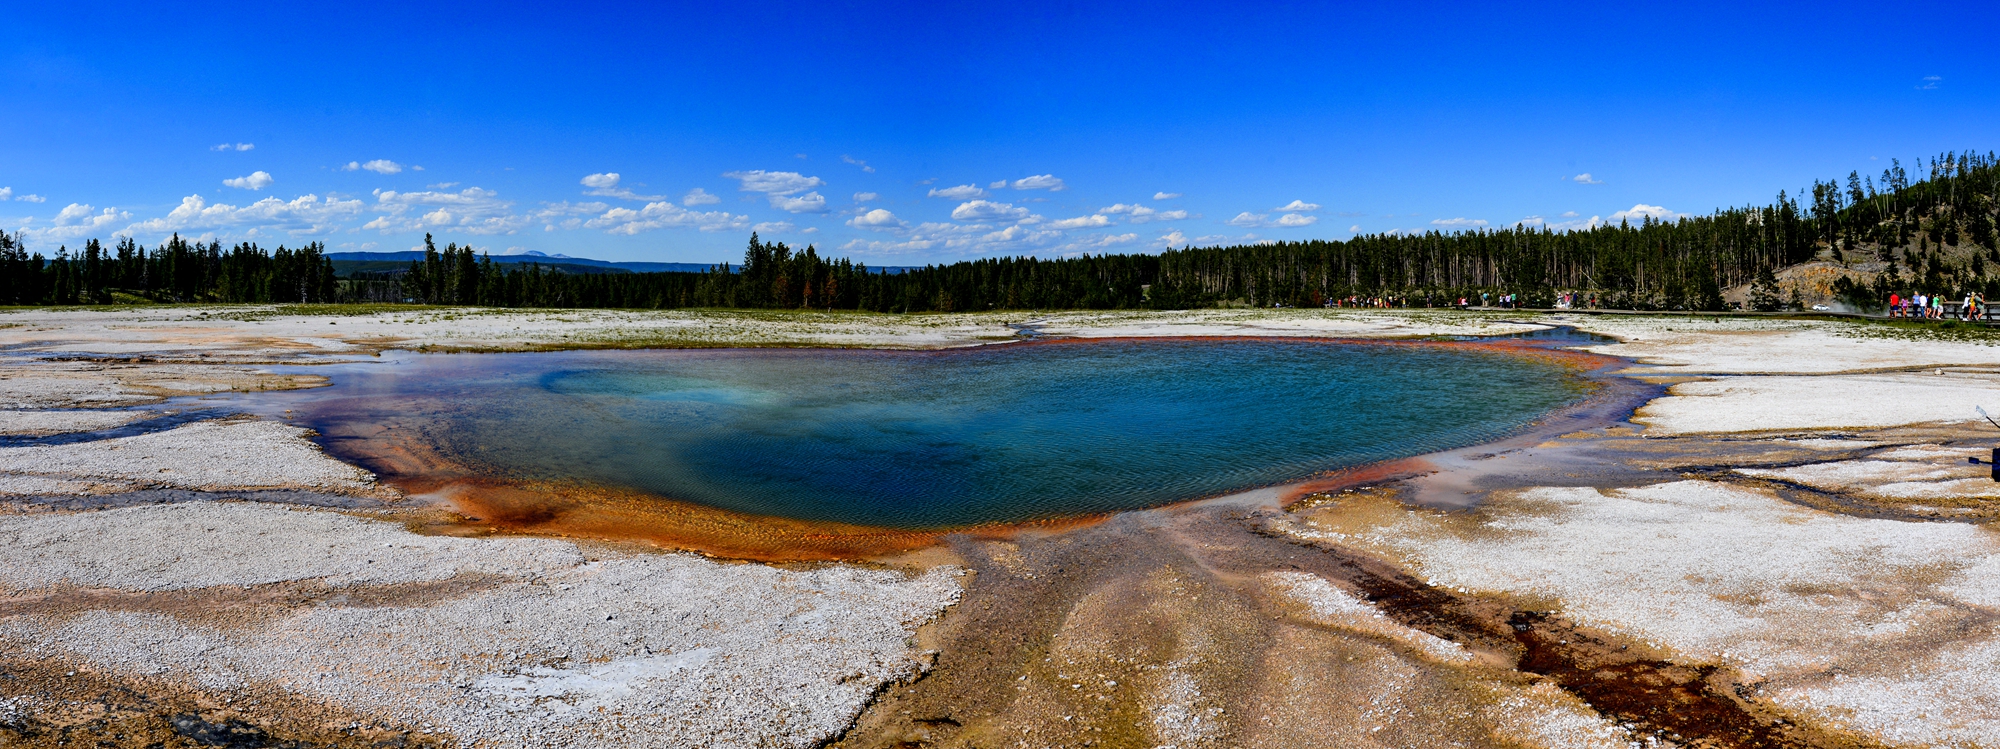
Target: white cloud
1295,220
877,218
1355,229
1010,234
235,147
1569,214
1458,223
1081,222
1298,206
378,166
32,198
811,202
699,196
1586,179
857,162
78,220
1247,218
256,180
663,215
442,186
1097,242
1642,211
1575,224
1930,82
306,214
773,227
472,210
1531,221
997,185
961,192
6,192
983,210
774,183
1166,196
863,197
1139,214
606,184
1040,182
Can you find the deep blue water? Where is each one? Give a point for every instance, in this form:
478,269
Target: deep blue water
932,439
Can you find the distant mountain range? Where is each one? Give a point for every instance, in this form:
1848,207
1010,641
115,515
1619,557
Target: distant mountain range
350,263
347,263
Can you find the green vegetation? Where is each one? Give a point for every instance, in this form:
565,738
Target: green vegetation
1935,235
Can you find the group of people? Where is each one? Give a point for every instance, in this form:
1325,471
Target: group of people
1931,307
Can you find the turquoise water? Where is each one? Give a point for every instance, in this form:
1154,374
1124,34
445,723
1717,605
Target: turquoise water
935,439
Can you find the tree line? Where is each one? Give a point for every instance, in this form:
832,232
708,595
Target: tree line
1935,233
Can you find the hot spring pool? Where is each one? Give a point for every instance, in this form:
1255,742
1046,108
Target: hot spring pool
938,438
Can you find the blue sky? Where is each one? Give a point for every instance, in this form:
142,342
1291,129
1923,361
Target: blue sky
910,133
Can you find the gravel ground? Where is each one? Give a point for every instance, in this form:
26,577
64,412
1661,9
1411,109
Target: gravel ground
1724,574
547,645
203,455
1872,624
41,423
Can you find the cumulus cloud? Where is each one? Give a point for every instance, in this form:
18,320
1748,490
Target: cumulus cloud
774,183
699,196
1081,222
1165,195
984,210
1355,229
606,184
1097,242
857,162
472,210
441,186
1641,211
1295,220
378,166
234,147
1531,221
1458,223
961,192
1048,182
1586,179
811,202
306,214
1139,214
8,192
773,227
1298,206
1247,218
863,197
663,215
256,180
875,219
78,220
32,198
